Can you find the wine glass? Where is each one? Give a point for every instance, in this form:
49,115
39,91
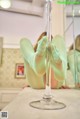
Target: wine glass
47,102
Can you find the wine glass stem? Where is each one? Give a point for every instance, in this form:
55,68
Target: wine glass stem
48,66
48,78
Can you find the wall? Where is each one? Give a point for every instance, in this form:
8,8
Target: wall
15,26
57,19
1,47
7,69
73,30
60,22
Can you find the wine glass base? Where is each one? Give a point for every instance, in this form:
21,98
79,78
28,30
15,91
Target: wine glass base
47,104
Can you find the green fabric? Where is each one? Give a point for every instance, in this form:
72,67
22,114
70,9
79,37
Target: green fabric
35,61
74,64
59,51
34,68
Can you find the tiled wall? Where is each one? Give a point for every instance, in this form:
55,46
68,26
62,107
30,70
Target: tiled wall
7,70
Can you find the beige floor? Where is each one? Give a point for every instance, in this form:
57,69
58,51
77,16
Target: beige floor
20,109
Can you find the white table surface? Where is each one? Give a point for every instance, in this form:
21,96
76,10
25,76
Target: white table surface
19,108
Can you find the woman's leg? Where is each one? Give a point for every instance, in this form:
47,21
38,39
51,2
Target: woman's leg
36,62
59,60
